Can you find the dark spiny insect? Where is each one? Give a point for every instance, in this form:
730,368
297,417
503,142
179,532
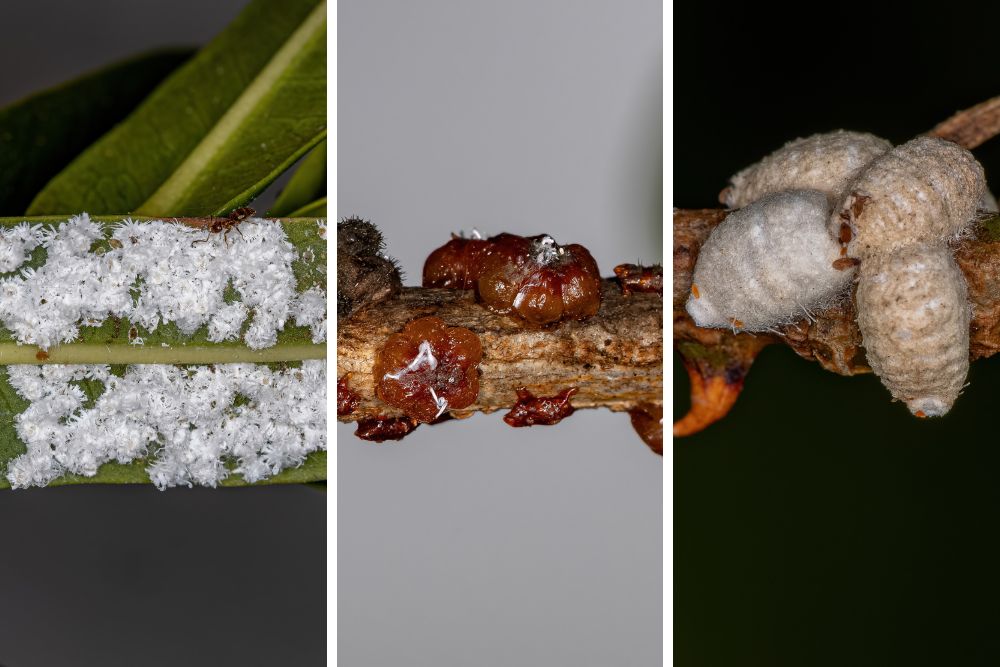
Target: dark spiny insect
226,224
365,275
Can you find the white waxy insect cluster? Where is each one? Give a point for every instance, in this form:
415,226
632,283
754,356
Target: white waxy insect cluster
768,263
913,306
151,275
188,419
894,210
196,425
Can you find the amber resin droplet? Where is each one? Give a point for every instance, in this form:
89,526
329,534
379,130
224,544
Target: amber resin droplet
429,368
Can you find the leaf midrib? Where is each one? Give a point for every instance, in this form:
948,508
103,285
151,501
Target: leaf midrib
173,190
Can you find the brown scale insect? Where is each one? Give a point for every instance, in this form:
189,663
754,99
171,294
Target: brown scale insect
225,225
380,429
41,355
647,420
531,410
347,400
638,278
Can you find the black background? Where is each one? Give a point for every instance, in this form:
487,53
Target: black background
819,523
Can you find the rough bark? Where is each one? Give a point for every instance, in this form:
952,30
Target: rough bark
614,359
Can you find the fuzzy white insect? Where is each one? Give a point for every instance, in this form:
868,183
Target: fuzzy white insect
768,263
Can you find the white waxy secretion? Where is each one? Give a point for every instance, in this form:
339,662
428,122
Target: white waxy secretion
188,419
152,275
767,264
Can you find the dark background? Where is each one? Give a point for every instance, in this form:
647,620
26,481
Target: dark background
819,523
131,575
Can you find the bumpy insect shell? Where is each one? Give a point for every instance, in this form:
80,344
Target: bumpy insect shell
924,191
914,315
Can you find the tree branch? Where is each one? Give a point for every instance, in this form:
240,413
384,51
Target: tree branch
614,359
717,361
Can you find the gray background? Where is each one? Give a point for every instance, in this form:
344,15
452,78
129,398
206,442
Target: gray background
471,543
129,575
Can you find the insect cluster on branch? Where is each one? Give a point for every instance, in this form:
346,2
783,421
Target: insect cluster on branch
843,208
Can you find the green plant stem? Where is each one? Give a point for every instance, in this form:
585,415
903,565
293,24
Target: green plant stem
98,353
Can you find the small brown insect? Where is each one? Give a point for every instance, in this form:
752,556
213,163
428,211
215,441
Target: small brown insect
227,224
858,205
530,410
694,291
380,429
636,278
41,355
845,233
845,263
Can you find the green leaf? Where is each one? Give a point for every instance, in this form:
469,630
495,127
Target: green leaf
306,185
217,131
316,209
43,133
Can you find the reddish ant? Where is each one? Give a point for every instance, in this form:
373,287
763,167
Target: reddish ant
226,224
